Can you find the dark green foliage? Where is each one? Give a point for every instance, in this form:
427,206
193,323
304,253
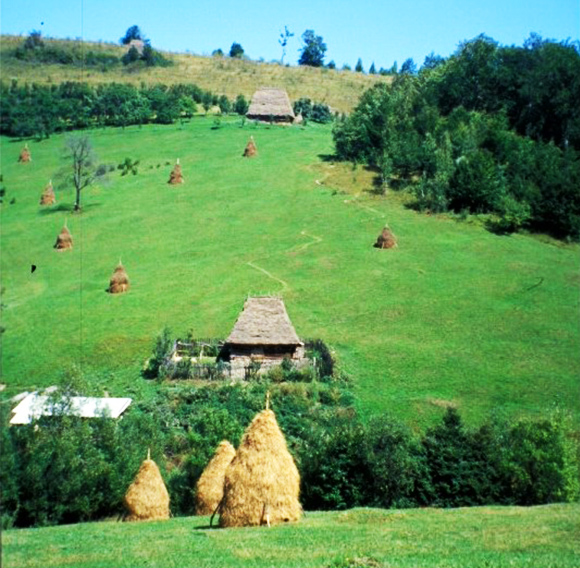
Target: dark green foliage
359,66
128,166
408,67
372,69
236,50
479,133
132,33
217,52
224,104
331,65
313,50
241,105
317,112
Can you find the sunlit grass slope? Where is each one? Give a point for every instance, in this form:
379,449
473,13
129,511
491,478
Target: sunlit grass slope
454,315
341,90
541,537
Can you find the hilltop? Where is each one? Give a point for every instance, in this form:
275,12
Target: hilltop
222,75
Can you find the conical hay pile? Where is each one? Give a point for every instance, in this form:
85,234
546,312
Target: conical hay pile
119,282
262,484
210,486
25,155
64,240
48,197
147,497
251,149
386,239
176,175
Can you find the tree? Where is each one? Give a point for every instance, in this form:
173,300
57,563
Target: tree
408,67
313,50
241,105
359,66
83,161
331,65
283,41
372,69
236,50
217,52
224,104
132,33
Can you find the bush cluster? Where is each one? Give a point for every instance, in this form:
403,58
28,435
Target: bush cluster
41,110
480,133
317,112
63,469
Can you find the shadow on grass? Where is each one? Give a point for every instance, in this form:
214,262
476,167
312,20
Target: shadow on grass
67,207
328,158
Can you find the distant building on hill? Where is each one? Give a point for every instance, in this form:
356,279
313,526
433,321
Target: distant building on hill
271,105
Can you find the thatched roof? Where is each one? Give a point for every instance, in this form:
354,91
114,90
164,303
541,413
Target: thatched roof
264,321
262,483
268,103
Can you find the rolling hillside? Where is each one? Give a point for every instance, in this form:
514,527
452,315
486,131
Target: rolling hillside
221,75
454,316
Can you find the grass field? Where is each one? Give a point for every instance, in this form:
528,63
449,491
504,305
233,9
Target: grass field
454,315
538,537
222,75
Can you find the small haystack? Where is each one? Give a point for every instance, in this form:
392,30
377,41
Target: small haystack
386,239
64,240
210,486
48,197
262,484
176,176
25,155
147,498
119,282
299,119
251,149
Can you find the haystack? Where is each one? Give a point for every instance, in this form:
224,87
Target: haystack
210,486
64,240
262,483
119,282
176,176
251,149
25,155
386,239
271,105
48,197
147,498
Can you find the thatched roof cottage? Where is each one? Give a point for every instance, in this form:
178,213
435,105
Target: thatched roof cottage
271,105
262,333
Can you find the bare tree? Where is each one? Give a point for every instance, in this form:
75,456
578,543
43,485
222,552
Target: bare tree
83,161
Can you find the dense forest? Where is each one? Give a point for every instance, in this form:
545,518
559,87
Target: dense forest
490,130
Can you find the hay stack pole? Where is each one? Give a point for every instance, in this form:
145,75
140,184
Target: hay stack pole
210,486
48,197
262,484
147,498
25,155
176,176
386,239
64,240
119,282
251,148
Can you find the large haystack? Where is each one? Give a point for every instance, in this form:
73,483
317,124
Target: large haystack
48,197
210,486
147,498
176,176
64,240
271,105
262,483
25,155
386,239
119,282
251,149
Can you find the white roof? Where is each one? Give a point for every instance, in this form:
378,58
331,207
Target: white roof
34,406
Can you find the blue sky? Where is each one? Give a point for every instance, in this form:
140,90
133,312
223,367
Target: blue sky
382,31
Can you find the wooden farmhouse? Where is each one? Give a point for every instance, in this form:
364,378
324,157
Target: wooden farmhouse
262,334
271,105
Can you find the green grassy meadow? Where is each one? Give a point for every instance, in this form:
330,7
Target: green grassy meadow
539,537
455,315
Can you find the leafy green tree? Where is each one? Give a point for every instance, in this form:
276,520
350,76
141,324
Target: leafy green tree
217,53
132,33
372,69
313,50
359,66
236,50
331,65
408,67
241,105
224,104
